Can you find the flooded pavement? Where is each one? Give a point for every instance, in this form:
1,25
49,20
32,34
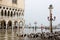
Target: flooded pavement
9,35
12,35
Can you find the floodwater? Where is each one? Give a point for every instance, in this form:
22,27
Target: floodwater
10,34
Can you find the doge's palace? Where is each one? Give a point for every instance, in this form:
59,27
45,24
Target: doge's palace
11,14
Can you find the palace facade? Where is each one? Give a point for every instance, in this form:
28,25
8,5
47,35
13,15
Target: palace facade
11,14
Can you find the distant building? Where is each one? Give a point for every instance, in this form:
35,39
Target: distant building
11,13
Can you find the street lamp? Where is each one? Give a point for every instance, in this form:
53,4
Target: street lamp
41,28
50,18
35,25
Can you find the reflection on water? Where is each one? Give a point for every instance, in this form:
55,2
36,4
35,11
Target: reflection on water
7,34
12,34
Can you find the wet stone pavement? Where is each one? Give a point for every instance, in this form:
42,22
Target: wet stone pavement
12,35
9,35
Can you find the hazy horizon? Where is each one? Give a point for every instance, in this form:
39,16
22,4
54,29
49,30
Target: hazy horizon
37,10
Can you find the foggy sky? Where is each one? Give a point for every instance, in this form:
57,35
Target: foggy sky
37,10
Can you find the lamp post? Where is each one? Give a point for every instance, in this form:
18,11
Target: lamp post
41,28
50,18
35,25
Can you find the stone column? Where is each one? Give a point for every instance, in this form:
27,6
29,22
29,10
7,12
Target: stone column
3,13
0,17
12,31
13,14
12,25
23,30
0,24
18,30
6,35
6,13
0,12
10,13
6,25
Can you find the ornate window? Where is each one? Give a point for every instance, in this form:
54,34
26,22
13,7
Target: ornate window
1,12
14,1
0,7
5,12
17,13
23,14
11,13
10,8
8,13
3,7
7,8
14,13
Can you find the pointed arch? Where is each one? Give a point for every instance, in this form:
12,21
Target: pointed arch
8,13
11,13
3,24
14,13
1,12
16,24
17,13
9,24
5,12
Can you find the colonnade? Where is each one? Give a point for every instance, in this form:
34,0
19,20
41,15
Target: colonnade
11,12
10,24
11,17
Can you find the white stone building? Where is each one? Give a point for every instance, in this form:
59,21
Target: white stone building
11,13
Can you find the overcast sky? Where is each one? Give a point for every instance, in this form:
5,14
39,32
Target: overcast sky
37,10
